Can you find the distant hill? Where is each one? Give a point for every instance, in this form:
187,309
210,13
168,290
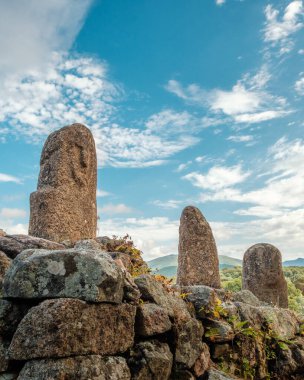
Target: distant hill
294,263
167,265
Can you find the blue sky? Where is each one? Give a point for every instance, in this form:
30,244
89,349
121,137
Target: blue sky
190,102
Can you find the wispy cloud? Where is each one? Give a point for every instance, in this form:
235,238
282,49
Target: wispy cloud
102,193
299,85
278,30
31,31
114,209
167,205
12,213
220,2
8,178
241,138
247,102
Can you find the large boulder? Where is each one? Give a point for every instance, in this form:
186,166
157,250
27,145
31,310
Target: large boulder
69,327
198,262
5,262
64,205
263,274
10,316
12,245
71,273
151,360
151,320
93,367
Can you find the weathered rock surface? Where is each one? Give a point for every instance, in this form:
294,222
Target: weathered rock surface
218,331
92,367
214,374
12,245
188,341
263,274
64,205
68,327
151,320
198,262
151,360
246,296
71,273
3,356
203,362
2,233
10,316
5,262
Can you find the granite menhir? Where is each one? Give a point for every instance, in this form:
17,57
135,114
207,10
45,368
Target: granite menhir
64,205
198,262
263,274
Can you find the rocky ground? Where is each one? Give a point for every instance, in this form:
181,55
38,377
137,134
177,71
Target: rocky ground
91,310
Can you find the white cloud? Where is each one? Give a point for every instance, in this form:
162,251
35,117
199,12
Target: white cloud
155,236
170,204
299,85
278,32
247,101
77,89
8,178
102,193
241,138
31,30
220,2
12,213
218,177
114,209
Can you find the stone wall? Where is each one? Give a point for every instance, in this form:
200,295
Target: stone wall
77,313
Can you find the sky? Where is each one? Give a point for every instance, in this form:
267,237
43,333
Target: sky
196,102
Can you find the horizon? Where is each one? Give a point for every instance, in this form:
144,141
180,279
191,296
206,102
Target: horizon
189,103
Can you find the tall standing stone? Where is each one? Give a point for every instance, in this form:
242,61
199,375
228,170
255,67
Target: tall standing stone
198,262
64,205
263,274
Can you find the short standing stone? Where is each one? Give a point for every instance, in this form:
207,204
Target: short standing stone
93,367
263,274
71,273
64,205
198,262
69,327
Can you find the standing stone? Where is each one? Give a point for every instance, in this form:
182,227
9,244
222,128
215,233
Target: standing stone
263,274
198,262
64,205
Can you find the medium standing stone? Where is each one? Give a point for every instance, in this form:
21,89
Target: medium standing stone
198,262
263,274
64,205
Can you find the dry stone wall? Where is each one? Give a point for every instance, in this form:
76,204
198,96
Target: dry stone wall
76,313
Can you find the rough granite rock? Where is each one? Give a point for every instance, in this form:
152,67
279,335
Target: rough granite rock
198,262
64,205
203,362
246,296
68,327
214,374
283,321
71,273
181,374
263,274
151,360
151,320
218,331
10,316
12,245
187,341
5,262
92,367
3,356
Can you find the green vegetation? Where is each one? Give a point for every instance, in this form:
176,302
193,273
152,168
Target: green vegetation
231,279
